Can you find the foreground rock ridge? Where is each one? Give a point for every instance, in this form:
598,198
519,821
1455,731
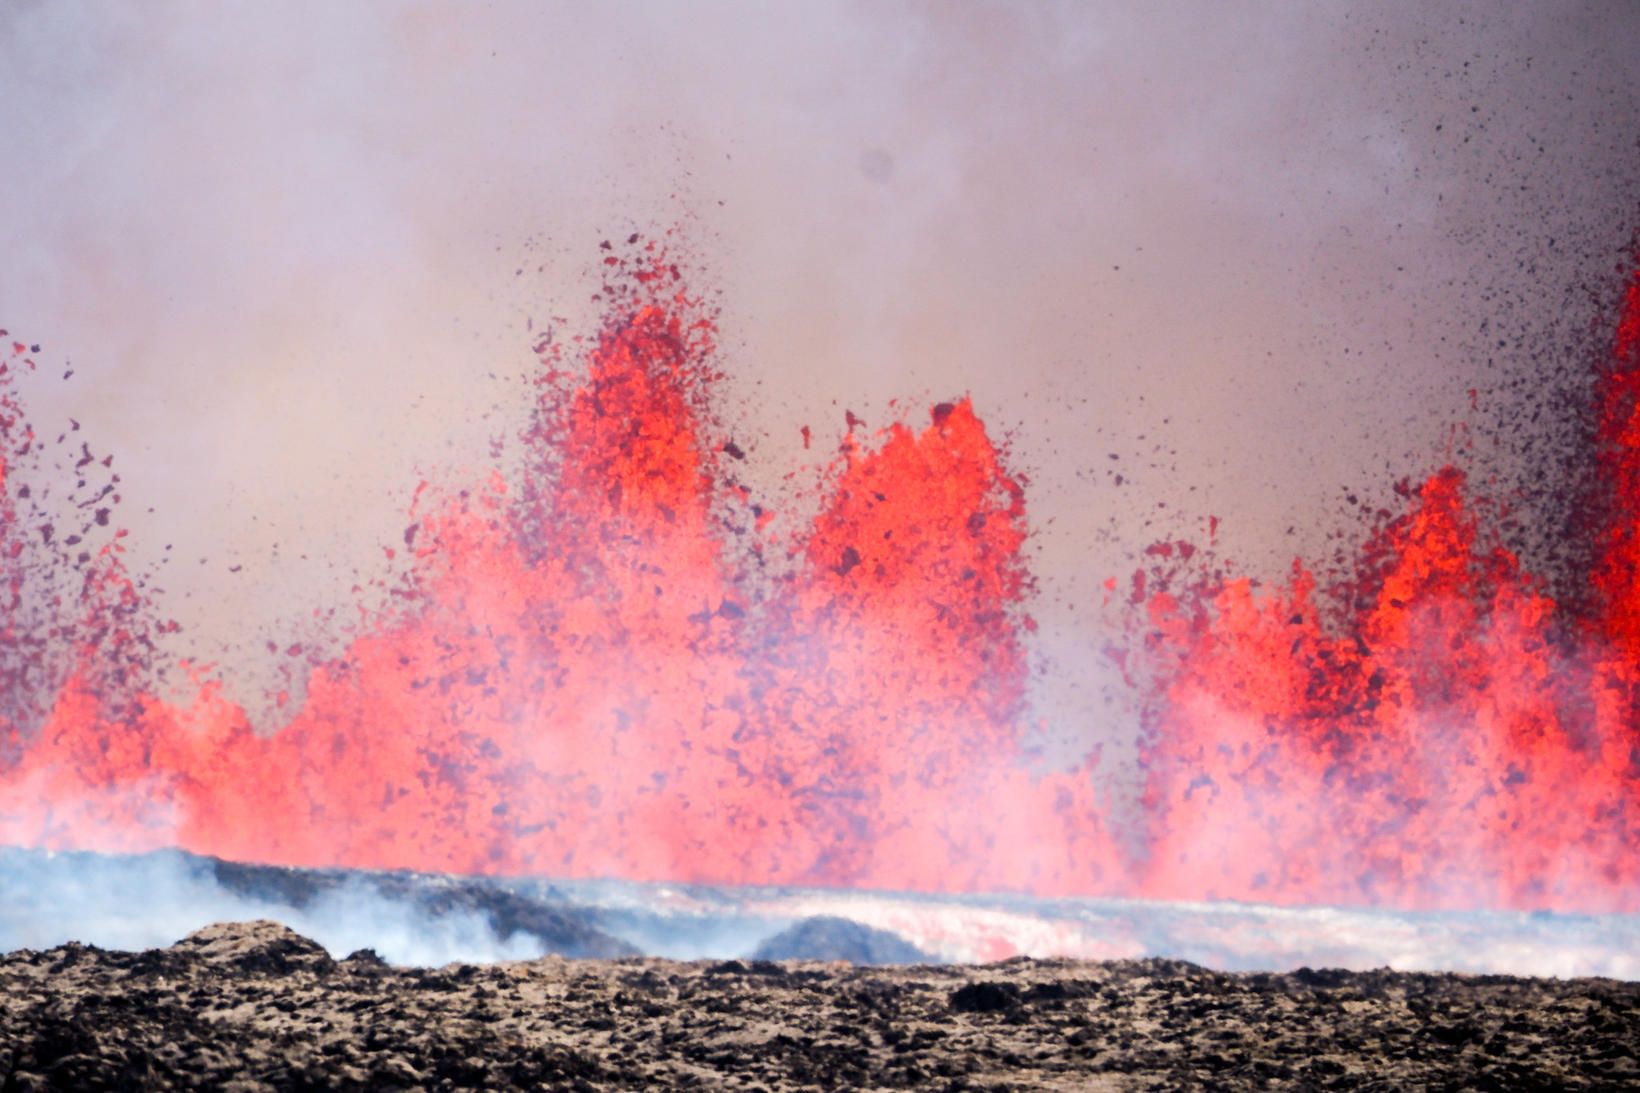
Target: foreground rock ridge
256,1006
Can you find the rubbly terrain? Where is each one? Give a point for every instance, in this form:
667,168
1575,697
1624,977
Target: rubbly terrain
256,1006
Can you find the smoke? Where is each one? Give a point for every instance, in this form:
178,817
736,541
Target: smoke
153,900
295,259
291,250
156,899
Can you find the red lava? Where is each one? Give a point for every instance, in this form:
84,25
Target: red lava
610,667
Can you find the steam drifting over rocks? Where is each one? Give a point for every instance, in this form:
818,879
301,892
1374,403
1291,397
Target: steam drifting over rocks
146,901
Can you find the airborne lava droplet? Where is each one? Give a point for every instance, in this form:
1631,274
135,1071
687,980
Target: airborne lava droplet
1446,739
551,697
554,691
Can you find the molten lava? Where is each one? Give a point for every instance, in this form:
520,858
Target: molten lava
588,680
610,667
1617,568
1444,740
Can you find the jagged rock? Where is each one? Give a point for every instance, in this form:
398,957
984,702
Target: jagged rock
984,997
252,1005
260,947
827,937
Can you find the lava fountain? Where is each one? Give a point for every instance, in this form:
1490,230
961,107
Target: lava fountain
1447,736
611,666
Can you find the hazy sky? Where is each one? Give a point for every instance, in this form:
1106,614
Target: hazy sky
1259,251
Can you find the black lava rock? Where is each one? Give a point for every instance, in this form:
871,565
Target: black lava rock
827,937
984,997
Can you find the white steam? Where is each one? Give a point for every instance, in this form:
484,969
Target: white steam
154,900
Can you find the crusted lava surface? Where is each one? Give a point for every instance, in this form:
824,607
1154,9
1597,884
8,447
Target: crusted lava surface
256,1006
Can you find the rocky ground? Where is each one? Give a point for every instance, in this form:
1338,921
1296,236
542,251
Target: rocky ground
255,1006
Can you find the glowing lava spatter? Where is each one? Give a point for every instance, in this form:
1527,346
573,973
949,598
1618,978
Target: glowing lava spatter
608,667
1617,565
586,680
1442,741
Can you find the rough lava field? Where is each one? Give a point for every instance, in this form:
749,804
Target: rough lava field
441,982
255,1006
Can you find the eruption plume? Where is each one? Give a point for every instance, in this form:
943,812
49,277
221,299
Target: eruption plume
598,671
611,666
1443,739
